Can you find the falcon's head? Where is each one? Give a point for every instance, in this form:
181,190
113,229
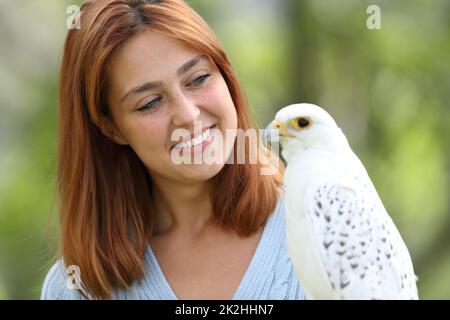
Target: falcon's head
302,126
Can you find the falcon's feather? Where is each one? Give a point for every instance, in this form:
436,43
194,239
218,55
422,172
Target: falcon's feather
357,243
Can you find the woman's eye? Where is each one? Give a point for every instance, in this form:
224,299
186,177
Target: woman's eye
200,80
149,105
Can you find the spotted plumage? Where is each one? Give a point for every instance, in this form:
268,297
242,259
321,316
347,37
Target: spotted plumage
342,241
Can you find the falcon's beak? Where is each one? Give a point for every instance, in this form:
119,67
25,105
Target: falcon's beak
282,129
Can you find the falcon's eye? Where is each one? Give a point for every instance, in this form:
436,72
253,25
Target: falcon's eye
301,123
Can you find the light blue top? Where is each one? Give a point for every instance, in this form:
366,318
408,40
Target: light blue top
270,274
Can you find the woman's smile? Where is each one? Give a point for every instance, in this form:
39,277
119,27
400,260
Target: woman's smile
197,144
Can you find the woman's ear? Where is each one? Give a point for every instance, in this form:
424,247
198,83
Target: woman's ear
110,130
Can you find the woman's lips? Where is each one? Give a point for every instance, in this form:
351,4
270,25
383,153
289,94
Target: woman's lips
202,139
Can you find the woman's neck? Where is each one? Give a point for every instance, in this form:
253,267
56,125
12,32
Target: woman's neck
184,208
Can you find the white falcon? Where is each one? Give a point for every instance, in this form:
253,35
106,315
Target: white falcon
342,242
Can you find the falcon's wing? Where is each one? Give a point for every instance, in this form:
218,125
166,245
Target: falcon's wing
360,247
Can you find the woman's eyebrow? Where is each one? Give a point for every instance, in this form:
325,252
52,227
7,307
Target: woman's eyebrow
190,64
153,85
141,88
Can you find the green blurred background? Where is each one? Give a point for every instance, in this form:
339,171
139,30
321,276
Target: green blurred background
389,90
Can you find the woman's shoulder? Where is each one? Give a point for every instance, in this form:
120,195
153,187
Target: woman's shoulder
281,281
57,285
276,219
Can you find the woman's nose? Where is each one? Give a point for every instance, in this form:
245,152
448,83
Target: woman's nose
184,110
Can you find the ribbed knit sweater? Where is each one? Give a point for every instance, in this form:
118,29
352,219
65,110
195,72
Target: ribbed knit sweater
269,276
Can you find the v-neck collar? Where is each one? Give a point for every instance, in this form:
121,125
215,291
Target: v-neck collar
254,276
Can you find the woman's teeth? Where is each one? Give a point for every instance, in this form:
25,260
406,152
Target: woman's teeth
194,141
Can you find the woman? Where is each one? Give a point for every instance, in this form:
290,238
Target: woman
136,223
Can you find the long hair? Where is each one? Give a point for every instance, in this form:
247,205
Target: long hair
105,217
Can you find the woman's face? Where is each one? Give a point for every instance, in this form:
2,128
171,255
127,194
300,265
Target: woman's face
156,87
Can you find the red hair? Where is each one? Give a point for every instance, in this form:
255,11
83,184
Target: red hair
105,218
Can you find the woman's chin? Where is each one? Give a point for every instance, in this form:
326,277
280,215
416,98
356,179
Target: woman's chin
199,172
